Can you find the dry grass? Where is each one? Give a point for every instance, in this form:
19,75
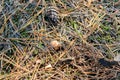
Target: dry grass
84,33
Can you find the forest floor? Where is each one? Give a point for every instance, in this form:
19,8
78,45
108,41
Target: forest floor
59,39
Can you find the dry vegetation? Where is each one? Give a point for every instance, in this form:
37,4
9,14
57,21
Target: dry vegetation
31,49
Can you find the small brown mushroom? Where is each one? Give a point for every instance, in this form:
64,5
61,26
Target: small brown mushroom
55,44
